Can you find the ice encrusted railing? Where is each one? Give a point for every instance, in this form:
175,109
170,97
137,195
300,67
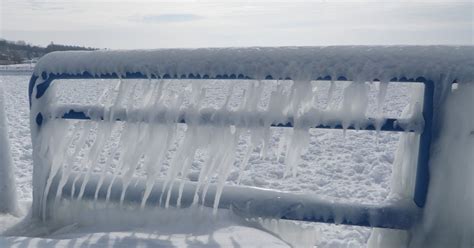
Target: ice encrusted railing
53,178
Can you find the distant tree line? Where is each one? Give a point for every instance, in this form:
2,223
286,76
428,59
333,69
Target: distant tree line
15,52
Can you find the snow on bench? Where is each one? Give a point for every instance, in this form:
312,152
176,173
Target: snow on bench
433,66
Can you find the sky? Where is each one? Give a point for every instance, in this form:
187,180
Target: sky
140,24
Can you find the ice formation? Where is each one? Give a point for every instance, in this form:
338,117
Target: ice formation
8,198
448,219
403,178
359,63
296,234
152,131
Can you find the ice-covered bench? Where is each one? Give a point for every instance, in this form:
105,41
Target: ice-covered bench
431,66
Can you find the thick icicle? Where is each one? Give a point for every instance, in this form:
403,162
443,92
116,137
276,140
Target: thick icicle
256,134
82,130
223,154
129,133
380,101
354,105
143,140
301,102
329,104
8,195
185,155
56,151
103,133
156,150
227,164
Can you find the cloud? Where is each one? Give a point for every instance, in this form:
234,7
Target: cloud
167,18
238,24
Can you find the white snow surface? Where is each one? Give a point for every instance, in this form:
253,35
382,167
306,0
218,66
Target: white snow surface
358,63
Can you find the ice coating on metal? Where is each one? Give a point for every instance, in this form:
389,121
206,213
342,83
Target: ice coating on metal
358,63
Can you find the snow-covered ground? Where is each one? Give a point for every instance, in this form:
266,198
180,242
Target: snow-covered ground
17,69
355,167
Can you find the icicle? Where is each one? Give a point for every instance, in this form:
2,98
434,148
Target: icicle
299,140
142,140
185,155
184,172
225,169
379,120
218,152
154,156
56,151
285,136
244,162
125,96
131,158
314,99
276,109
250,104
224,173
253,95
226,106
117,96
219,139
155,153
354,105
103,133
209,163
85,148
381,97
301,101
187,160
273,113
330,94
176,168
106,165
83,130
